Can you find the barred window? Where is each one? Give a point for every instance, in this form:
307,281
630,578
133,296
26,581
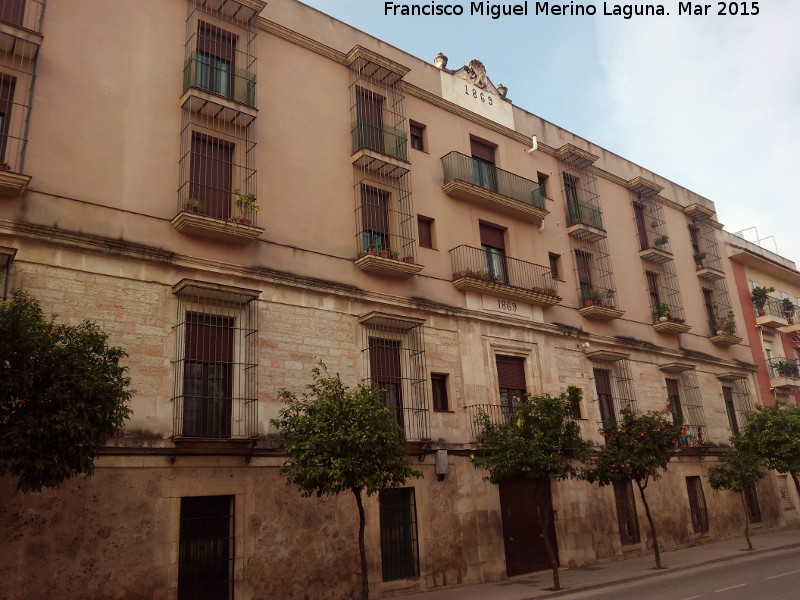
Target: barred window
215,366
614,387
697,504
627,519
205,553
686,403
393,349
6,258
399,548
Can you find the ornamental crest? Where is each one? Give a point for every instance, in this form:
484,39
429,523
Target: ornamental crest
475,73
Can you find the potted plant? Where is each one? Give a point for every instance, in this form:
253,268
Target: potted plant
191,205
394,254
662,312
247,206
786,368
698,259
592,297
661,240
759,295
610,295
788,308
408,259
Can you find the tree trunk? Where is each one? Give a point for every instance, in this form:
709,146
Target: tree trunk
656,553
746,522
362,551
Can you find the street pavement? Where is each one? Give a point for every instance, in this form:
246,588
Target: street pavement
533,586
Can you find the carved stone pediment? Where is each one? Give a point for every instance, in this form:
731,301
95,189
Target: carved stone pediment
474,72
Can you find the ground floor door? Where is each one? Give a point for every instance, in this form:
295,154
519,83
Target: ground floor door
522,529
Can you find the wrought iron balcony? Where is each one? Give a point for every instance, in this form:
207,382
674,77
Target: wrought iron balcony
784,372
207,73
773,314
584,220
478,270
499,414
381,138
477,181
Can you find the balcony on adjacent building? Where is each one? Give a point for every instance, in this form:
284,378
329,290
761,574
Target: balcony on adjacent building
484,184
784,373
486,272
772,314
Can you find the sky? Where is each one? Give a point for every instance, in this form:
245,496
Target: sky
711,102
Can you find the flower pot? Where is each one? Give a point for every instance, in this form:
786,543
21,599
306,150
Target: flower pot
587,302
408,259
384,254
761,312
245,221
663,319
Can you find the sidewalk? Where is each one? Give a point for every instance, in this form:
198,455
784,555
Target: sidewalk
528,587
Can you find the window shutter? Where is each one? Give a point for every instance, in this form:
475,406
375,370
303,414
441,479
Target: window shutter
492,236
484,152
425,232
384,360
511,372
216,41
209,338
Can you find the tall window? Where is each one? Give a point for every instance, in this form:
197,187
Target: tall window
605,397
484,173
399,549
494,248
385,371
6,258
7,85
205,552
627,519
215,368
417,132
511,380
369,111
753,508
12,11
207,376
708,303
584,262
211,173
730,409
674,398
555,260
697,504
216,52
641,226
571,183
652,289
439,388
425,228
375,218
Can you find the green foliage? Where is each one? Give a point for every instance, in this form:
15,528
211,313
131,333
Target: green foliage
637,448
773,434
340,439
736,471
63,392
540,439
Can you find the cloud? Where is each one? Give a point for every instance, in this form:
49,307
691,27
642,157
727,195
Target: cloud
712,103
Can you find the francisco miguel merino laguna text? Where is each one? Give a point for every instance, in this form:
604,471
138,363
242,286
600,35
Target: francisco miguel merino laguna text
495,11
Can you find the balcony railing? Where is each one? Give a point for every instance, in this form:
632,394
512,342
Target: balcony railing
585,213
381,138
498,415
503,271
209,74
459,167
788,368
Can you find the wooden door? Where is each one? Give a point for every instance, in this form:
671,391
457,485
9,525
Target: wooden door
522,529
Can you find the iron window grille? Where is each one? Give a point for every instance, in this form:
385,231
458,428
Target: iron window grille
686,404
215,366
220,50
705,238
393,354
206,548
399,542
651,226
613,383
384,215
19,56
663,291
627,519
697,504
6,259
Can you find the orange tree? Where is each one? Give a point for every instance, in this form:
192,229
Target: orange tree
637,448
737,471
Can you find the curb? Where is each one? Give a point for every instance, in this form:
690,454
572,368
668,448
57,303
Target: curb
665,571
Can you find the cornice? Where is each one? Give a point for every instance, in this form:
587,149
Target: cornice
302,40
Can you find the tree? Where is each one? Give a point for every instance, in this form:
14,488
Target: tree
63,392
540,440
338,439
637,449
737,471
773,434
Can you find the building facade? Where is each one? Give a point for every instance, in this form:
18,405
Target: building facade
256,188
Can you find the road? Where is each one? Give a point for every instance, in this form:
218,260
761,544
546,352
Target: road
768,576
